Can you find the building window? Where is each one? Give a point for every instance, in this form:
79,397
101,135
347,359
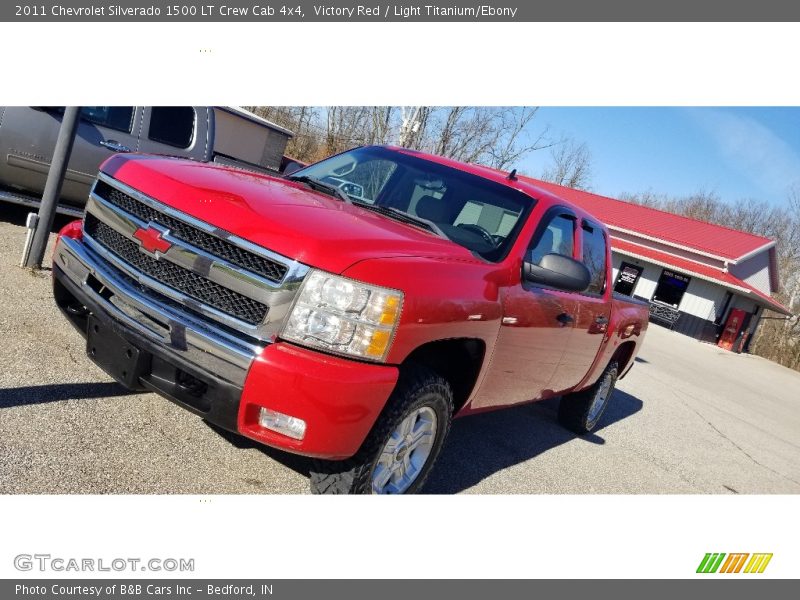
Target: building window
172,125
671,287
626,278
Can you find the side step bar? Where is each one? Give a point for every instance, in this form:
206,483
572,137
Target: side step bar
33,202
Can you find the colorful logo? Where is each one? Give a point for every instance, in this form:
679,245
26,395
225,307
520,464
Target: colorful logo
151,239
734,563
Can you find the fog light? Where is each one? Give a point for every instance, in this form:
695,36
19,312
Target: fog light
275,421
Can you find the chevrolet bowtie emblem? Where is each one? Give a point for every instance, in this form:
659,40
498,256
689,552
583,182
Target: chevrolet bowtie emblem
151,240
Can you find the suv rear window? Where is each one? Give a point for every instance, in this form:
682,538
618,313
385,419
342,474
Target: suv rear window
172,125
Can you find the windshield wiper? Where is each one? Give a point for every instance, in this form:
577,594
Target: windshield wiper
402,216
317,185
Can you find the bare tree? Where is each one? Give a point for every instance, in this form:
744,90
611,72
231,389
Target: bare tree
572,165
347,127
300,120
498,136
494,136
413,126
647,198
518,140
381,131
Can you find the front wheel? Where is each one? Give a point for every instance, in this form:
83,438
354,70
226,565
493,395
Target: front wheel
581,411
401,449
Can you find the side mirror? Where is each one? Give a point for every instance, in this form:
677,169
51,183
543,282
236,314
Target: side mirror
558,271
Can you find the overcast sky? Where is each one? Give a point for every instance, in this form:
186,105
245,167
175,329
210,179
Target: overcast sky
735,152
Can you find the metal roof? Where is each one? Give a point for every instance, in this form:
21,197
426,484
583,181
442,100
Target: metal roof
246,114
706,238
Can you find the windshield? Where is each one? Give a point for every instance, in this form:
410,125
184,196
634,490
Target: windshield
479,214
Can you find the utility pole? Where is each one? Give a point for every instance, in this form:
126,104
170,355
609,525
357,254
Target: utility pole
52,188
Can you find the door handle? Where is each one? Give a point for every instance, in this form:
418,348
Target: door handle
565,319
114,145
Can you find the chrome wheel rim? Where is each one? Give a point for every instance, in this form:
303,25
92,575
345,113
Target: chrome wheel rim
405,453
600,400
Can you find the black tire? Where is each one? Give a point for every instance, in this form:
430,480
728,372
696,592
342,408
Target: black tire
575,410
417,387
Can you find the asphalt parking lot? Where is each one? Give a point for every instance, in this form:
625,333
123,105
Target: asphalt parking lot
690,418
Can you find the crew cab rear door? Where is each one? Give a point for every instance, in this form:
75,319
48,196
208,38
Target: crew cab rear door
537,324
593,311
29,137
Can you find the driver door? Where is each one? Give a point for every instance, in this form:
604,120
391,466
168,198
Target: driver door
536,328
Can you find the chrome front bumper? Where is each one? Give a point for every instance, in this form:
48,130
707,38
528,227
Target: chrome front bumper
164,327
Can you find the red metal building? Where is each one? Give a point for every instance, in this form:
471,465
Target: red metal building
710,282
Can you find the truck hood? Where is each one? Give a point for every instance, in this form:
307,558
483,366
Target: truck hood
285,217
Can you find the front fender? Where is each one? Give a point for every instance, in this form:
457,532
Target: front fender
441,299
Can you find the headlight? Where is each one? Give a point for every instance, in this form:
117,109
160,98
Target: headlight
344,316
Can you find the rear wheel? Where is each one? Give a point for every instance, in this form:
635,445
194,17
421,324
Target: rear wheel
581,411
401,449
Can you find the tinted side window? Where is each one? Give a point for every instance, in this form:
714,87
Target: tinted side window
594,257
172,125
557,238
113,117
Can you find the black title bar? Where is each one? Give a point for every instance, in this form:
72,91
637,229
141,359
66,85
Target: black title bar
377,11
283,589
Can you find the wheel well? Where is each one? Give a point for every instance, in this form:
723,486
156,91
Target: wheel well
458,360
623,355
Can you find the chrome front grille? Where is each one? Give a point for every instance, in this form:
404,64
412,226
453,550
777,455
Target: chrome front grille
272,270
229,281
176,277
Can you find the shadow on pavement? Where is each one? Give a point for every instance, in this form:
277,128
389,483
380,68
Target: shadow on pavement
477,447
481,445
299,464
39,394
17,215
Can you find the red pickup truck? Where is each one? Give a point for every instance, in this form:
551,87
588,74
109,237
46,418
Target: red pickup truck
350,310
